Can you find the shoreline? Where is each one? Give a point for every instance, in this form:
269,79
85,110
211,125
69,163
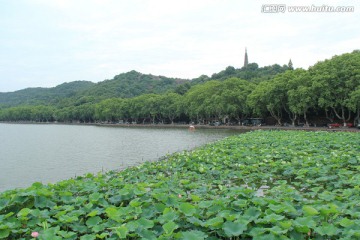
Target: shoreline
229,127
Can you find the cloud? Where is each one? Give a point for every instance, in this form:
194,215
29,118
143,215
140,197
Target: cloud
49,42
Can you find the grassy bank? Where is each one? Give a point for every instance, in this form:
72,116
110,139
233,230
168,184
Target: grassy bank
258,185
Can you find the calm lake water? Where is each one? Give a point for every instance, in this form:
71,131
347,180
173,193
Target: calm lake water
49,153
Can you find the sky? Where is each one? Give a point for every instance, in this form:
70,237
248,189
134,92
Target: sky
44,43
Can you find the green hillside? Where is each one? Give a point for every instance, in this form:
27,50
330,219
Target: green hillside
131,84
125,85
43,96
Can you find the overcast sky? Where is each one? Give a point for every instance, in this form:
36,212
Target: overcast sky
44,43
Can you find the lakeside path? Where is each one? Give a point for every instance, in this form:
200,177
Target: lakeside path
232,127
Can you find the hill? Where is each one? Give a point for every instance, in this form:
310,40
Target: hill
128,85
131,84
124,85
252,73
43,96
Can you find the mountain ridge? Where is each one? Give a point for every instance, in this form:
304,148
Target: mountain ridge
129,84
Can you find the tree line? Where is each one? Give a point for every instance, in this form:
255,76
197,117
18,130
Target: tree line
330,89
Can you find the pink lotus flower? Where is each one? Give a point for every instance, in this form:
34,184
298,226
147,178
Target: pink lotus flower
179,196
34,234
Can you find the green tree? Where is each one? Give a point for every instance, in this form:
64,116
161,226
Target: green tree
301,96
170,106
151,107
334,80
266,97
354,104
109,110
197,101
234,96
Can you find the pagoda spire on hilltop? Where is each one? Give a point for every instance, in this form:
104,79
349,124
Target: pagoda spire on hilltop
246,61
290,65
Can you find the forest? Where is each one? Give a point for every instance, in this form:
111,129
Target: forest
329,91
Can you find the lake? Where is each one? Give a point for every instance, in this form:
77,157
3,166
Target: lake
48,153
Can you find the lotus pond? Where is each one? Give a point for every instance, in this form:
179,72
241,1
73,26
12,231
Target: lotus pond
258,185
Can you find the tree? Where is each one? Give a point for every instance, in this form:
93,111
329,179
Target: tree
354,104
269,97
334,80
301,96
197,101
151,106
170,106
110,110
42,113
234,93
86,112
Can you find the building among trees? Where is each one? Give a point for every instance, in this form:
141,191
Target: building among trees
246,61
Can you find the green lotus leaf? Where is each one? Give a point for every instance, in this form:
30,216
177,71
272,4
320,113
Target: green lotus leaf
233,229
24,212
112,213
102,235
272,218
268,236
327,229
195,198
88,237
278,208
257,231
67,235
252,213
4,232
285,224
145,223
187,208
205,204
168,216
146,234
44,192
304,224
193,235
170,227
121,231
328,209
68,219
345,222
93,221
195,221
43,202
310,211
3,203
215,222
93,213
50,233
276,230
